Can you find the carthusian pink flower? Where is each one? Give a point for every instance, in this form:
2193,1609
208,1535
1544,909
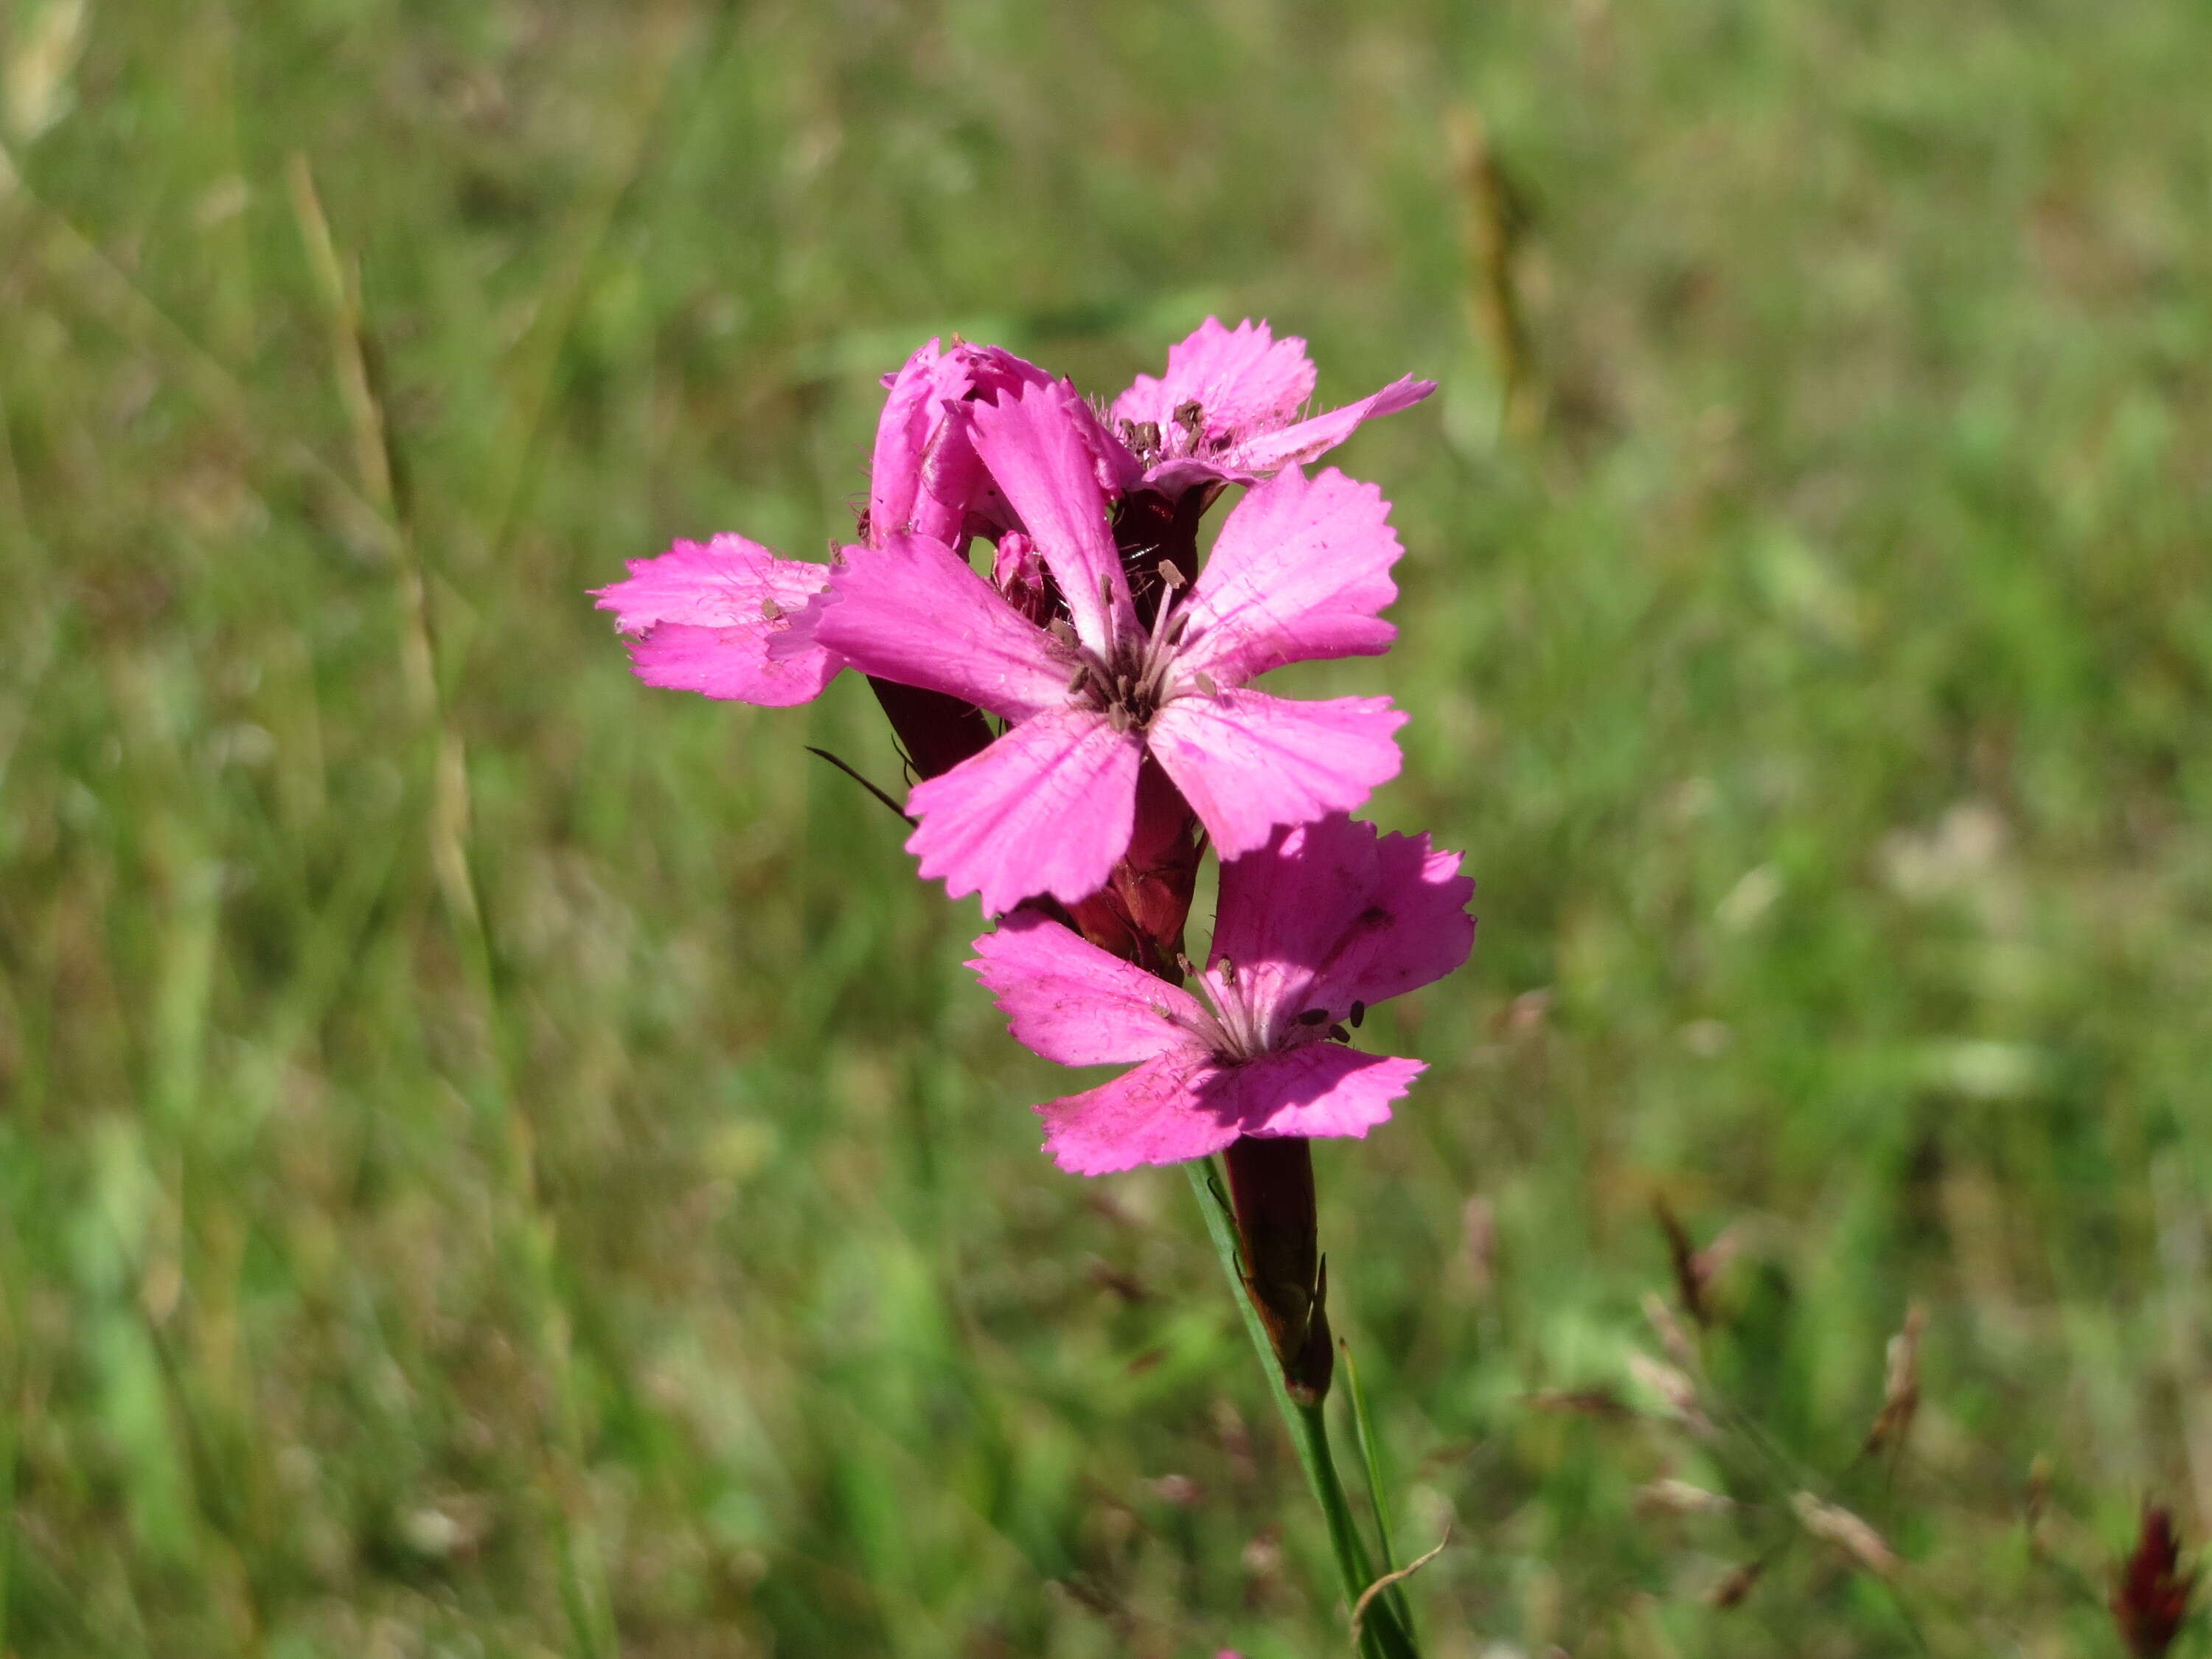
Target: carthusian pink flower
1324,920
1227,408
1300,569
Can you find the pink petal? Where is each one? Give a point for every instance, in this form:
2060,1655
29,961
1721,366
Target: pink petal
1318,1089
997,372
908,430
1153,1114
1299,571
1329,912
1240,378
1046,808
1293,446
1036,450
1070,1001
1414,930
1182,474
913,611
1247,762
1184,1103
704,615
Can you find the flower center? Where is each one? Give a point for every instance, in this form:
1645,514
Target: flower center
1134,677
1248,1022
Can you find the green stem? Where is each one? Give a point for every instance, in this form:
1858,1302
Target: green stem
1381,1635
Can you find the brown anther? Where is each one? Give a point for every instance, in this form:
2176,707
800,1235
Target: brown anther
1227,971
771,610
1106,590
1171,575
1082,673
1313,1017
1189,417
1178,625
1337,1033
1117,716
1063,630
1359,1013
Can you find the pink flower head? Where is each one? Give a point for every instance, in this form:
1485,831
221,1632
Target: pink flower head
1325,920
1300,570
1227,409
728,618
923,476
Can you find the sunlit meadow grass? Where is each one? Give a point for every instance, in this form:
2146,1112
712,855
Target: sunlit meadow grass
500,1161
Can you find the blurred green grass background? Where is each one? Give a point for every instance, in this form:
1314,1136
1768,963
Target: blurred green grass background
500,1161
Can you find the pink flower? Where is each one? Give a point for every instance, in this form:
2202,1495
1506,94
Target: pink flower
723,616
1325,920
1300,569
1227,409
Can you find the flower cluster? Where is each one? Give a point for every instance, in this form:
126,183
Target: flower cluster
1072,686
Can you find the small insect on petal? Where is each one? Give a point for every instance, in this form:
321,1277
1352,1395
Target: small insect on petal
1063,630
1205,682
771,610
1228,972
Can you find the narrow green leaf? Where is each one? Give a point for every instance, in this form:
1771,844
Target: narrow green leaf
1363,1427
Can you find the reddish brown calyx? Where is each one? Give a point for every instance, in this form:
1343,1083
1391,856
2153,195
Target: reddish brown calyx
937,731
1271,1190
